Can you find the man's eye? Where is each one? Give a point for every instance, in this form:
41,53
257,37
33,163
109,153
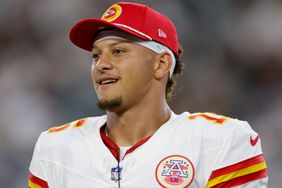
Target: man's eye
96,57
118,51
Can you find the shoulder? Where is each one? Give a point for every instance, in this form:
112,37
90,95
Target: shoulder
61,145
220,134
84,124
212,121
69,133
214,126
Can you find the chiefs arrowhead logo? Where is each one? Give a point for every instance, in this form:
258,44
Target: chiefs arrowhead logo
112,13
254,141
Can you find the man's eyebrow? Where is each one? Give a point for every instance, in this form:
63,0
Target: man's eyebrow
114,43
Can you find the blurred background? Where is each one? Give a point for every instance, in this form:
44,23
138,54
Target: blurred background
233,67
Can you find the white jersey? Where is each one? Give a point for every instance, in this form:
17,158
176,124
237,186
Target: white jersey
189,150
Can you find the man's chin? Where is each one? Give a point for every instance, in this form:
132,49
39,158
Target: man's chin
110,104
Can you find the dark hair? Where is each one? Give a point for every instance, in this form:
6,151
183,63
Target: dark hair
171,83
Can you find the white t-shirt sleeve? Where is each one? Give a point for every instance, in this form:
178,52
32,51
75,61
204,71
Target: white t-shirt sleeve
240,162
36,177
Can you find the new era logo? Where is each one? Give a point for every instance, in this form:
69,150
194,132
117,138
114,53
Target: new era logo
161,33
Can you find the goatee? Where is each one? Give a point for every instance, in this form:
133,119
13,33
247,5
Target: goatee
109,104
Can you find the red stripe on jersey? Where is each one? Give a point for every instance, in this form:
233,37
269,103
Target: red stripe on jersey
37,181
135,146
114,148
235,167
242,179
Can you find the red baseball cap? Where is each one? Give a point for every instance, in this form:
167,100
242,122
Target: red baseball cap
136,19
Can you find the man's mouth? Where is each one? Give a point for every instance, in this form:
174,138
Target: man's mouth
107,81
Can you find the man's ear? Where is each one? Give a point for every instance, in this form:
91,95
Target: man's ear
162,65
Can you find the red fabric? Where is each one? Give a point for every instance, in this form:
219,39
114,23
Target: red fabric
109,143
38,181
80,123
135,146
114,148
237,166
136,19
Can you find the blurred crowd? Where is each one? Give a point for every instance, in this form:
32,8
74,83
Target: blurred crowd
233,67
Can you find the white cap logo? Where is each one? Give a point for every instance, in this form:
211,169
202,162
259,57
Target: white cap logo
162,33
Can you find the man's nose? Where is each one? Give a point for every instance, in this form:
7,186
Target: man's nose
104,63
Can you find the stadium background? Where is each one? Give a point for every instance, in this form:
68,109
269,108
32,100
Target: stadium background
233,67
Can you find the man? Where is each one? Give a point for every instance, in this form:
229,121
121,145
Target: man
140,142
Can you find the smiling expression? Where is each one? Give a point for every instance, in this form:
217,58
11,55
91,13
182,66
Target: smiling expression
121,71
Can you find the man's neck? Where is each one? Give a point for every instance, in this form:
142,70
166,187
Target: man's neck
133,125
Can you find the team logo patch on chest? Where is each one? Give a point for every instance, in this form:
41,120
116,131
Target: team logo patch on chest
175,171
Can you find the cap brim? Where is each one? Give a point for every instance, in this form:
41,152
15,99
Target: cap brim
82,34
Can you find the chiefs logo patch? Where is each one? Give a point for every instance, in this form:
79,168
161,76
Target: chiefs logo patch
175,171
112,13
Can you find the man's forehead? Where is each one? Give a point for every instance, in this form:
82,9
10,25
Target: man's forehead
110,43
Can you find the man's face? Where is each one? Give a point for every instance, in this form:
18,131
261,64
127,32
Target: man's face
122,73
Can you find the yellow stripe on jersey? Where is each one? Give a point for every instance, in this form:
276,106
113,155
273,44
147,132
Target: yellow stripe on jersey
33,185
35,182
232,175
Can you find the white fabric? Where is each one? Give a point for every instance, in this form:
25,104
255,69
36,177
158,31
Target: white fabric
77,157
159,48
123,150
